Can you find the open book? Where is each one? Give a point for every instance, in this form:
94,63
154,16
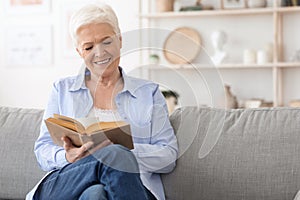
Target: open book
83,130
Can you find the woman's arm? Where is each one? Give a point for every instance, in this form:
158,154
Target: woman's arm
49,155
160,155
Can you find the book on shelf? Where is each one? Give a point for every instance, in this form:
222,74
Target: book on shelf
82,130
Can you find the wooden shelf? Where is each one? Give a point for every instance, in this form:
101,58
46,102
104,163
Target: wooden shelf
289,9
245,11
209,13
288,64
244,66
226,66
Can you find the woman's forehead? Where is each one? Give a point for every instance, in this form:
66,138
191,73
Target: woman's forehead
94,32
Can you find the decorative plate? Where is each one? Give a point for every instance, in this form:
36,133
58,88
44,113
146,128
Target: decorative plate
182,45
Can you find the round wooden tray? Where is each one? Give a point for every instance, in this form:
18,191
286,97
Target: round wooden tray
182,45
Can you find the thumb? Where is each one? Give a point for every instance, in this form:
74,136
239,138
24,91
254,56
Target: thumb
67,143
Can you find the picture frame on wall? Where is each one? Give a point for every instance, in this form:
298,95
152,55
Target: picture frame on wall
18,7
233,4
28,46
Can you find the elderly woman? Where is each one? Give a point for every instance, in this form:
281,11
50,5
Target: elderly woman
102,89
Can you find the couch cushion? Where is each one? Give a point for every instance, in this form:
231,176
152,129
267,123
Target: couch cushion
256,156
19,170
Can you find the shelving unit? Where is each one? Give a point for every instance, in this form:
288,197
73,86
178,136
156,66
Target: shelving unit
278,64
244,11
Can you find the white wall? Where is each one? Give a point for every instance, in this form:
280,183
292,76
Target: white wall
29,86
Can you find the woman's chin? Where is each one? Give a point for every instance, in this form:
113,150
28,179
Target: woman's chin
100,68
102,72
103,69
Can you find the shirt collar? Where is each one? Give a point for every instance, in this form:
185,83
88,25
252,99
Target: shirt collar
130,84
79,82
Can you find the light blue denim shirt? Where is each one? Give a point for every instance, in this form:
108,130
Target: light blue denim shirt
140,103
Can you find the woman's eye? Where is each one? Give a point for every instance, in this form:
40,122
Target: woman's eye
88,48
107,42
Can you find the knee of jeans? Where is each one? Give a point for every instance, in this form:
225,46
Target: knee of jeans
94,192
118,157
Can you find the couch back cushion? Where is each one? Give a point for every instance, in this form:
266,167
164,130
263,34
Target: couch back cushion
19,171
235,154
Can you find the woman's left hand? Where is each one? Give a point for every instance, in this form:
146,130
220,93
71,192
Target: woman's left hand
74,153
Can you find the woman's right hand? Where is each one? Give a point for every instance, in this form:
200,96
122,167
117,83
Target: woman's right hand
74,153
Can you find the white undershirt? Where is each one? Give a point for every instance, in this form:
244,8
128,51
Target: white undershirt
105,115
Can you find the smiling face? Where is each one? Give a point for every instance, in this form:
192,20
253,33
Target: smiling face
99,46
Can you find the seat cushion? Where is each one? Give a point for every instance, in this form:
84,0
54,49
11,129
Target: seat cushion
19,171
236,154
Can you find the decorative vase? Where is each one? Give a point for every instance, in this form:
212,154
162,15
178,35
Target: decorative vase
164,5
231,101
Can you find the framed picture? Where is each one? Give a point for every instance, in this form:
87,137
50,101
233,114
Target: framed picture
27,6
233,4
28,46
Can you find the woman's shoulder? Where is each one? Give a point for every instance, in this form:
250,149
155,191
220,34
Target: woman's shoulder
139,83
140,80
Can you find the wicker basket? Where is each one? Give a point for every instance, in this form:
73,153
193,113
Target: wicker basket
164,5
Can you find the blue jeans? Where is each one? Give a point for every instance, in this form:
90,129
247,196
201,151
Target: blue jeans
110,173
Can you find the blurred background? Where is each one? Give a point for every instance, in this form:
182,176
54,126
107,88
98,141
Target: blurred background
246,50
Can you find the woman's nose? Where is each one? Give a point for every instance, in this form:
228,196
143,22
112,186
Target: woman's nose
99,50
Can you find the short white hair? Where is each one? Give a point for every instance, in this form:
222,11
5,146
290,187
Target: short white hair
92,14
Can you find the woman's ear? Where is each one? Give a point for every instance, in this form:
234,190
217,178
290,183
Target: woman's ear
120,39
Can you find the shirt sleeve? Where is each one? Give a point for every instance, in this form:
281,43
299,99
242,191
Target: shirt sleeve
160,155
49,155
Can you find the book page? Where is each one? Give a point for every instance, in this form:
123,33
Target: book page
104,126
85,125
88,121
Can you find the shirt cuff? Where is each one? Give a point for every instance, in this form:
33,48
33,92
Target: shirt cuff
61,158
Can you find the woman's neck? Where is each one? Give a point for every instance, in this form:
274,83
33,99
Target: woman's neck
106,88
106,81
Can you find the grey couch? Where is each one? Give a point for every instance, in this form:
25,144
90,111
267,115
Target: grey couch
234,154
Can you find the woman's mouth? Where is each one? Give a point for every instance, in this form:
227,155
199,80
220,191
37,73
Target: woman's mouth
103,61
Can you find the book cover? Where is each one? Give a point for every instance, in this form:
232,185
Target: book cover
117,132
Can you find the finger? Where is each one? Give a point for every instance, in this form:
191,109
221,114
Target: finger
101,145
67,143
85,148
83,154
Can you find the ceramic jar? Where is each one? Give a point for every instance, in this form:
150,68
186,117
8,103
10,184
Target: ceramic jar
262,57
257,3
249,56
